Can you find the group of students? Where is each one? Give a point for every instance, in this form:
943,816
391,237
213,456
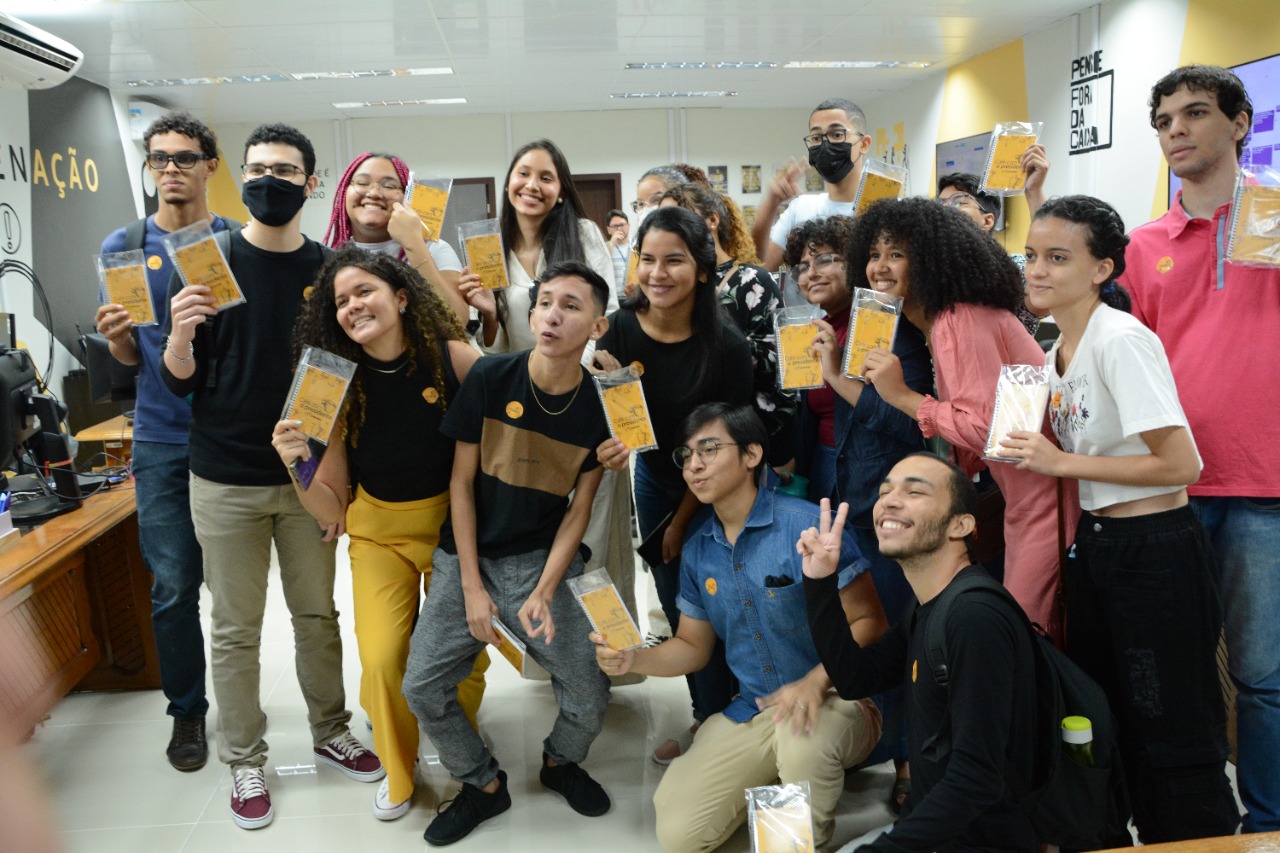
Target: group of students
486,482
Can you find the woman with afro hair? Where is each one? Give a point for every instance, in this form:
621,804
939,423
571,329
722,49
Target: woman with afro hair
961,289
411,356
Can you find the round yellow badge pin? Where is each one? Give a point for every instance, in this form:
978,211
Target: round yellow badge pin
711,586
915,670
514,410
1164,264
431,395
154,262
306,291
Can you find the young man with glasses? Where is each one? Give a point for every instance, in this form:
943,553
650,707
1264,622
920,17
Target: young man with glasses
236,364
837,143
741,582
182,154
619,233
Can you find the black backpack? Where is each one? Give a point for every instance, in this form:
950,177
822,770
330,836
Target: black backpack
1068,804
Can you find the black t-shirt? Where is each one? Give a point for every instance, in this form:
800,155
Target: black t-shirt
986,716
529,460
244,366
400,454
668,379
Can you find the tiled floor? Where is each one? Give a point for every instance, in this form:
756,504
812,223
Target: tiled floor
102,759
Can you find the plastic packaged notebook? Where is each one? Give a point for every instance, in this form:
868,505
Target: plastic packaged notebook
1022,394
199,260
780,818
873,321
625,408
1003,174
879,180
122,280
482,244
512,648
799,367
428,197
609,616
1255,219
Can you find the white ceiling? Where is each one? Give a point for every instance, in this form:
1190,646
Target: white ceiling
519,55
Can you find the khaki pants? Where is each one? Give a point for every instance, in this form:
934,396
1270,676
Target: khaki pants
700,801
391,546
236,526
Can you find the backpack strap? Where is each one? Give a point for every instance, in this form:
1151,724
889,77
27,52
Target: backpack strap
935,638
135,234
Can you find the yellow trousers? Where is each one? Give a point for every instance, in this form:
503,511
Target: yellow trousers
391,547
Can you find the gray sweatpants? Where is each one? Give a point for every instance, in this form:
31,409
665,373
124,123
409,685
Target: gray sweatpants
442,652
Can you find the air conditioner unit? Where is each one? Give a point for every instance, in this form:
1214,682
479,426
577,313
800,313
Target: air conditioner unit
33,58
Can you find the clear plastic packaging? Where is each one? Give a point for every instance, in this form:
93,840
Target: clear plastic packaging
799,367
780,818
625,408
1255,219
482,244
609,616
873,322
428,197
200,261
879,180
319,387
1003,173
1022,394
122,280
512,648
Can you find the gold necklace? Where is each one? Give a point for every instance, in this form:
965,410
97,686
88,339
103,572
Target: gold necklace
533,389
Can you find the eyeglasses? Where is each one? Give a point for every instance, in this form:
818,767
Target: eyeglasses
707,449
615,226
820,264
835,134
387,185
159,160
651,201
957,200
283,171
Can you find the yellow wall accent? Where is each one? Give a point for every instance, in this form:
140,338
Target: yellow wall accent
224,187
987,89
1222,34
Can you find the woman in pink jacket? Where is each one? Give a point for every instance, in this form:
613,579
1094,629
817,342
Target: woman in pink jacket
961,289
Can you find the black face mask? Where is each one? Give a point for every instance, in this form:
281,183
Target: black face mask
273,201
832,161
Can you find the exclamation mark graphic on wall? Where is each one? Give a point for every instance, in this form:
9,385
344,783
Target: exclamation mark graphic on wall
8,231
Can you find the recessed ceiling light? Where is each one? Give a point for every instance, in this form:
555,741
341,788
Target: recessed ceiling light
355,75
211,81
673,95
355,105
688,66
856,64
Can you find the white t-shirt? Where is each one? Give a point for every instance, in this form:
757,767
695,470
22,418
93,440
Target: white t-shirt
1118,385
802,209
441,252
517,335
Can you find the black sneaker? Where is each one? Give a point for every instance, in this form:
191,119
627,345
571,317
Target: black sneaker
188,750
584,794
466,811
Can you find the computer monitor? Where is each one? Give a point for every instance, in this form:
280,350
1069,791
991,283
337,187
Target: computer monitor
109,380
17,420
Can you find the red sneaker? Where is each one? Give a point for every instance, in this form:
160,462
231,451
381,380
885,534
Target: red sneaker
250,801
352,758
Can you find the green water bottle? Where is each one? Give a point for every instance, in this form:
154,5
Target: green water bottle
1077,740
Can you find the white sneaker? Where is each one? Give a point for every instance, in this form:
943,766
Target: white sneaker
383,808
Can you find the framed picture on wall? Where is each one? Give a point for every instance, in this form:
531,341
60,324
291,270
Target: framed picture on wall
719,177
751,179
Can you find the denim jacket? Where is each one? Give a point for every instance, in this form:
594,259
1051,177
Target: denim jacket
872,436
764,626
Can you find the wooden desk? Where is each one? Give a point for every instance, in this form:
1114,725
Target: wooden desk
1266,842
75,608
116,436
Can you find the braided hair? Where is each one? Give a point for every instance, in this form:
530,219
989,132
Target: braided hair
1104,235
427,321
339,233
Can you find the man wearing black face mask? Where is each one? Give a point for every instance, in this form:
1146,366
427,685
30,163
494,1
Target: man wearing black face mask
837,142
237,366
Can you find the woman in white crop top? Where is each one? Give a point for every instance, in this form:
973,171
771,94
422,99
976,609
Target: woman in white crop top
1143,613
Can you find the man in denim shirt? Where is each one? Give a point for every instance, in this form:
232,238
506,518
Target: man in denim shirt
741,582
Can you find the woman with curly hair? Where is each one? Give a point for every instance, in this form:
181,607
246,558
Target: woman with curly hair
750,295
368,213
1139,581
411,356
961,289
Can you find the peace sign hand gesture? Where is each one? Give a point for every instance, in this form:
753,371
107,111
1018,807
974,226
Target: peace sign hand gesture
820,548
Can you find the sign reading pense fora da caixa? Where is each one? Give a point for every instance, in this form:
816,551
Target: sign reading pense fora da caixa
1092,91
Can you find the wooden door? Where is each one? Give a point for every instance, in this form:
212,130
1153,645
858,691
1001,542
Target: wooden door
600,193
